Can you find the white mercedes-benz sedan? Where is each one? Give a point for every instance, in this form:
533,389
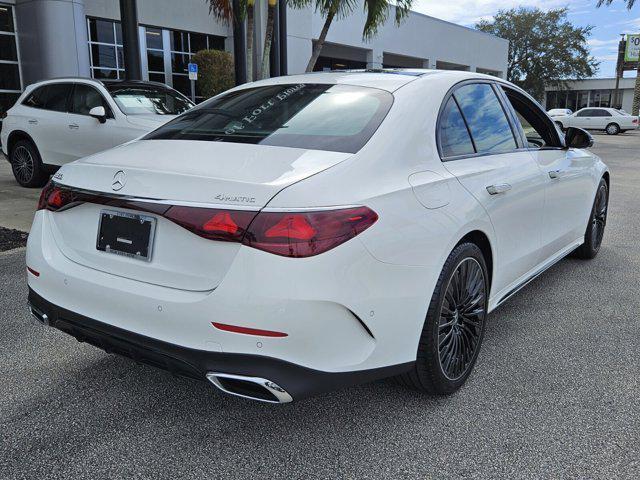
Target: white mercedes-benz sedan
305,233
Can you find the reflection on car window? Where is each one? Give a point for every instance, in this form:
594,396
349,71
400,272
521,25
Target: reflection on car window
486,119
454,136
149,100
85,98
338,118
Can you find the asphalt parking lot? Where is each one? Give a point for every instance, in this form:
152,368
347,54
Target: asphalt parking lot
555,393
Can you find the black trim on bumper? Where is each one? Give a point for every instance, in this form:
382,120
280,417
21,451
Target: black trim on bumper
300,382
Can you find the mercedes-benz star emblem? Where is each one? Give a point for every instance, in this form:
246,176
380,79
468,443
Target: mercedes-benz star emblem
119,180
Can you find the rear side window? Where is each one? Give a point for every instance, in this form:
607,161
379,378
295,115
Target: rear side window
454,136
485,118
603,113
85,98
53,97
339,118
585,113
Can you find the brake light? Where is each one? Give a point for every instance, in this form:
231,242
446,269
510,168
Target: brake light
635,120
305,234
212,223
54,198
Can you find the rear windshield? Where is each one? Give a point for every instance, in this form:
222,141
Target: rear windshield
149,100
338,118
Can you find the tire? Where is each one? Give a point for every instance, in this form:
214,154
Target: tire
438,370
612,129
597,223
27,165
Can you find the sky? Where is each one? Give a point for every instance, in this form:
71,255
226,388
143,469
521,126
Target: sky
608,21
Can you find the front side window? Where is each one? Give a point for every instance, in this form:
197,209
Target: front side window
338,118
485,118
141,100
454,136
85,98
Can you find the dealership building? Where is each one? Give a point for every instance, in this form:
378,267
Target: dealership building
41,39
591,92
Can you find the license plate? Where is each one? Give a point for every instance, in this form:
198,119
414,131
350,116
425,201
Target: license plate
126,234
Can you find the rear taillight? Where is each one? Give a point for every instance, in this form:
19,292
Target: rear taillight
290,234
635,120
305,234
211,223
54,198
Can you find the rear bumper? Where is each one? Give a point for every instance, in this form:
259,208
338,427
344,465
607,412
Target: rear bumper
300,382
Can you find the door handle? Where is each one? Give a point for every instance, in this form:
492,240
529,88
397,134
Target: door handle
498,188
74,126
554,174
33,122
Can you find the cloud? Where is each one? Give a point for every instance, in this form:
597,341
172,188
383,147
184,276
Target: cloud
596,43
468,12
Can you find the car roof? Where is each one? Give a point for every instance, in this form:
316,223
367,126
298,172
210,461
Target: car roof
389,79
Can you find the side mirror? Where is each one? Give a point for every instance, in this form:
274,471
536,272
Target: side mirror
99,114
577,138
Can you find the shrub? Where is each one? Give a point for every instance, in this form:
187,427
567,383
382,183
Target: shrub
215,71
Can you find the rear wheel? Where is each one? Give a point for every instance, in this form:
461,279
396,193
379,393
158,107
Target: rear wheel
27,165
612,129
597,222
455,323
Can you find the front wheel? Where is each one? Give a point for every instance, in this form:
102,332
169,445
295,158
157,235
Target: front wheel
455,323
597,221
612,129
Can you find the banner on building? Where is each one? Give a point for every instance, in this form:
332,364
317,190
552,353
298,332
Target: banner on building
632,50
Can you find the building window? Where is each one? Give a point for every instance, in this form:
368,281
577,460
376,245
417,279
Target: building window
155,54
10,83
105,49
329,63
183,46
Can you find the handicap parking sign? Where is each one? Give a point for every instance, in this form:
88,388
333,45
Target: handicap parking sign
193,71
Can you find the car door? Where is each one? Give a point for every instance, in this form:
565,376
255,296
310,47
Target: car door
87,134
585,118
47,121
568,182
478,146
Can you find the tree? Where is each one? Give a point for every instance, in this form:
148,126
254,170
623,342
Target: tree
544,47
215,71
377,14
609,2
268,36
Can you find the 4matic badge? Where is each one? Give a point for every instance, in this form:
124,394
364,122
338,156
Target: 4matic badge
234,198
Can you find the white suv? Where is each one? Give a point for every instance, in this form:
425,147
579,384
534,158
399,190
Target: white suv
57,121
610,120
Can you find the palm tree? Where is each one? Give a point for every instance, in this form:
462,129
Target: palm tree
268,37
609,2
377,14
223,11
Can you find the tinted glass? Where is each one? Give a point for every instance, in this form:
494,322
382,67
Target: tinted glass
156,77
179,41
454,136
603,113
154,38
149,100
322,117
101,31
9,76
198,42
486,119
57,96
118,33
37,98
216,42
6,19
8,48
155,60
103,56
585,113
179,62
85,98
7,100
105,74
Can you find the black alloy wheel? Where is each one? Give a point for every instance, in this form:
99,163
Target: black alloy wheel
461,319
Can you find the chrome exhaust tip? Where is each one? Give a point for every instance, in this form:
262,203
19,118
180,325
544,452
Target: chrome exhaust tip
253,388
40,317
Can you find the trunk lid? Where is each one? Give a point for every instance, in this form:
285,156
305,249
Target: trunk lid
192,173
